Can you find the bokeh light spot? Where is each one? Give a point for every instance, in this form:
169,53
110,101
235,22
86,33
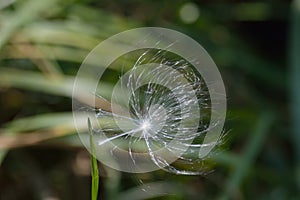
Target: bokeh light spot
189,13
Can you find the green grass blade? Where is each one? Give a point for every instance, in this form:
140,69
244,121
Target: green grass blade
255,143
28,12
94,166
295,82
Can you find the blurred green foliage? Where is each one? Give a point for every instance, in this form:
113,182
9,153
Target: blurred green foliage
254,44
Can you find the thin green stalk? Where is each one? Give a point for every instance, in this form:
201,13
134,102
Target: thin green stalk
94,168
295,82
248,157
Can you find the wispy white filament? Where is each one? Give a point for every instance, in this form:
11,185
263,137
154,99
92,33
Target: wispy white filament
160,108
167,107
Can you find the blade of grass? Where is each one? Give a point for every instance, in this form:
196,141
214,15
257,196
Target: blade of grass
61,124
4,4
94,165
29,11
58,33
63,87
255,143
36,81
42,121
295,82
48,67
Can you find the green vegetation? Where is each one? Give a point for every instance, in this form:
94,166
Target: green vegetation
256,46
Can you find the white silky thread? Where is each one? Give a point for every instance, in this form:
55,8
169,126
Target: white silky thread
167,107
158,119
